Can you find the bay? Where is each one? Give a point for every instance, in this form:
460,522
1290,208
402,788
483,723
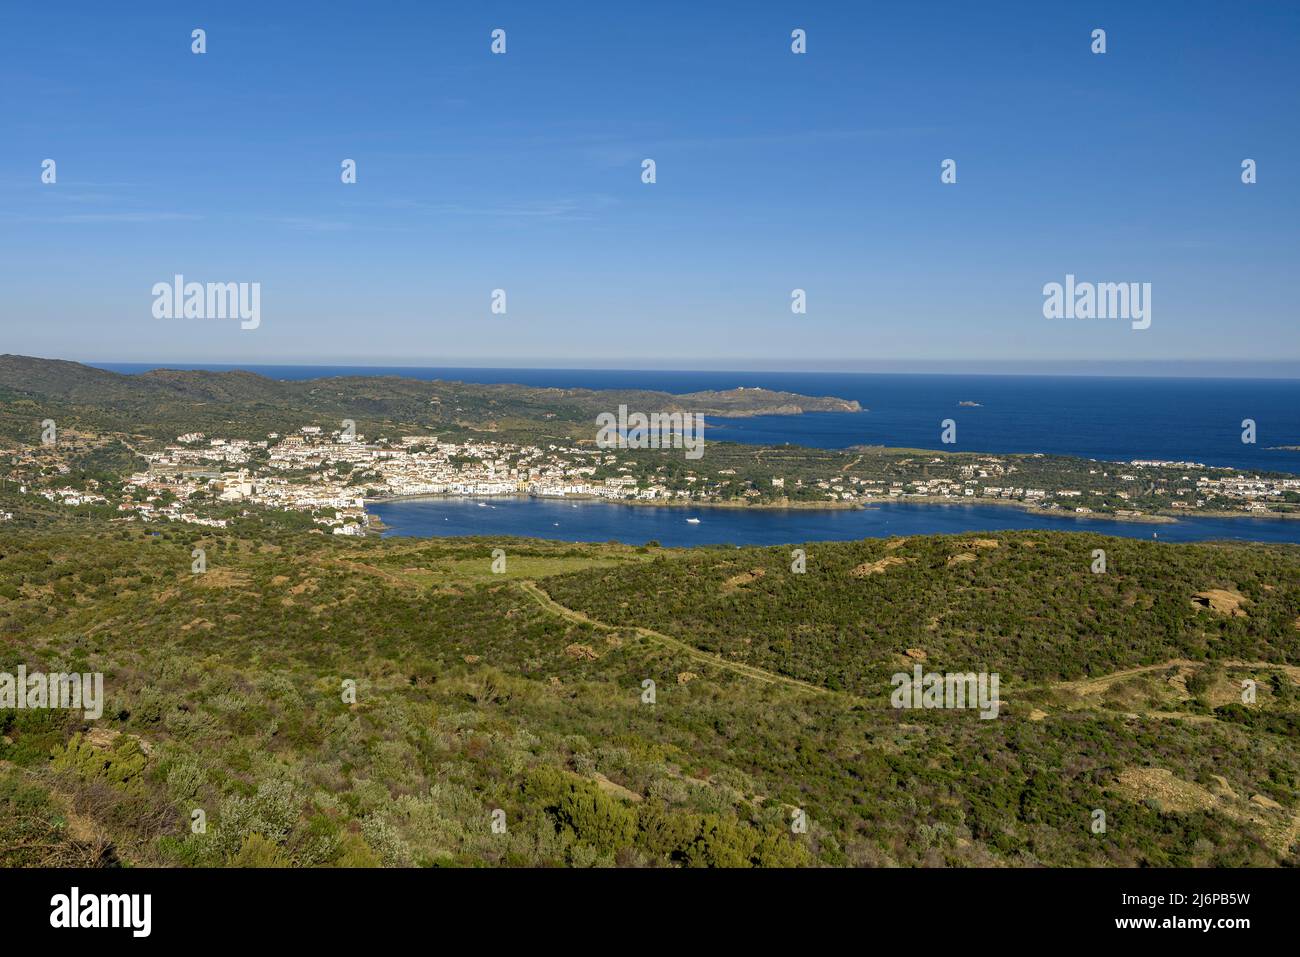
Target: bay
595,521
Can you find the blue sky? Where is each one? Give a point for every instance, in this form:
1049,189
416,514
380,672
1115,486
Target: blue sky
775,171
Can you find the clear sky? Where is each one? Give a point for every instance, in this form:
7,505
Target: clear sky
775,171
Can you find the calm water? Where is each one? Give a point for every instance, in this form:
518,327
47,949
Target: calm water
593,521
1110,418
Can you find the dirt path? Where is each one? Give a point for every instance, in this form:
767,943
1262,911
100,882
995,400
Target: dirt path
355,566
1084,686
534,591
1098,685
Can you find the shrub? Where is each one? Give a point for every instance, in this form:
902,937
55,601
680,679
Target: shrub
118,765
257,851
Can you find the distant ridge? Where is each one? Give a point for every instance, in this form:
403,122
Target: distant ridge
161,400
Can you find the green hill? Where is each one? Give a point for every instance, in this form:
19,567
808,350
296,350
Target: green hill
524,693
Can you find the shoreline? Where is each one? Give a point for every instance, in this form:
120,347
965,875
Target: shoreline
1146,518
1282,516
652,503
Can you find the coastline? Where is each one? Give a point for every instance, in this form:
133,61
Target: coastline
651,503
1147,518
1283,516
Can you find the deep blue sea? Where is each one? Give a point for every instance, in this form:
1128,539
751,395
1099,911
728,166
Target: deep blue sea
1110,418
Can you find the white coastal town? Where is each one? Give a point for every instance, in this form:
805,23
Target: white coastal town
337,472
332,475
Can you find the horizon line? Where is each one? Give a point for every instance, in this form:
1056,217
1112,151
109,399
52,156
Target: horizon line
1100,368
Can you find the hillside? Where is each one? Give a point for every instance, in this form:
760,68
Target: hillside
163,403
1026,604
523,692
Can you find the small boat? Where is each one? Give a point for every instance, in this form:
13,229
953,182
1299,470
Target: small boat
692,521
482,504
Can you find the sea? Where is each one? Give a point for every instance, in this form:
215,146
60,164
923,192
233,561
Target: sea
1110,418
